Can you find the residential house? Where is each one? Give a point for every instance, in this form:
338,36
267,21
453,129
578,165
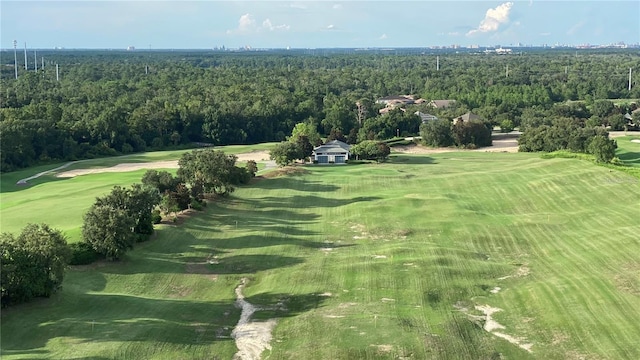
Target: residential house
395,100
425,117
441,104
333,152
466,118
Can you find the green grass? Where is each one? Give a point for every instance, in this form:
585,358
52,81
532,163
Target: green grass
62,202
397,245
629,152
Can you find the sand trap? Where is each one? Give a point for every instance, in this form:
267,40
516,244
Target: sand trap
251,337
501,145
169,164
636,141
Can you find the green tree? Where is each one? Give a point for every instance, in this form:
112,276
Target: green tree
252,167
32,264
437,133
108,230
305,148
137,201
602,108
161,180
471,134
306,129
284,153
602,148
208,168
371,150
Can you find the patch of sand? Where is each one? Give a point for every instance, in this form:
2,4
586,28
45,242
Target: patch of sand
635,141
261,155
499,145
491,325
252,337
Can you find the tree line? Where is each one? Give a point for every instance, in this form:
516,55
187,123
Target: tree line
117,103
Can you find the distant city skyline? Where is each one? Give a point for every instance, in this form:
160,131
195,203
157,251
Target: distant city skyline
315,24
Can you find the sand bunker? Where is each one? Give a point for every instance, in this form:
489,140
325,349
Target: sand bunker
169,164
636,141
499,145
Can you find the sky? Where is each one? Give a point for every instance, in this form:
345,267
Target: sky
207,24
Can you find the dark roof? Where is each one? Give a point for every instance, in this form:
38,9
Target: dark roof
467,117
334,144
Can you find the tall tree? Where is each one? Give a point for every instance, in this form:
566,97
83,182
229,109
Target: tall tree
109,231
208,168
33,263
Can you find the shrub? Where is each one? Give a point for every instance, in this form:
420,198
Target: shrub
156,217
506,126
196,205
82,254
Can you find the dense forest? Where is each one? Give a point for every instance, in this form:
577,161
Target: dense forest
114,102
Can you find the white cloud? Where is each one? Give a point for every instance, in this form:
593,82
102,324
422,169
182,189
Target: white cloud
247,24
383,36
269,26
331,27
337,6
493,19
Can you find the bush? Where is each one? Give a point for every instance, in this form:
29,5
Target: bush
82,254
506,126
196,205
156,217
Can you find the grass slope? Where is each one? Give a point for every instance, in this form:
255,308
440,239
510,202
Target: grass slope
371,261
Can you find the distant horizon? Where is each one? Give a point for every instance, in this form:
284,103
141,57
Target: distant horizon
305,24
132,49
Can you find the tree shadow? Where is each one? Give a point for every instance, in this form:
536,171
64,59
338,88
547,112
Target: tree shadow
256,241
411,159
297,184
95,318
630,158
311,201
111,318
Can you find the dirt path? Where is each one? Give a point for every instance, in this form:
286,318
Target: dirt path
251,337
25,180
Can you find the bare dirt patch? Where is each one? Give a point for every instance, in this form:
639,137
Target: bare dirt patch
252,337
490,325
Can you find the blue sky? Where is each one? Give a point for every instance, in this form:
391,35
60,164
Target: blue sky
315,24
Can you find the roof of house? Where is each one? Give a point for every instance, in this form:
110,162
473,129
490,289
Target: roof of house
425,117
467,117
439,104
333,145
404,99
